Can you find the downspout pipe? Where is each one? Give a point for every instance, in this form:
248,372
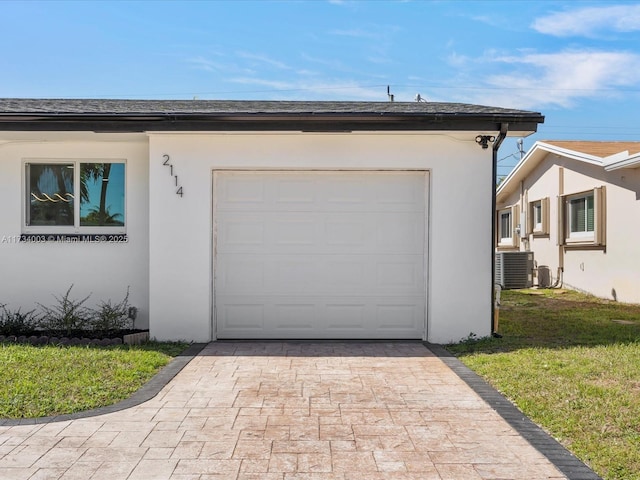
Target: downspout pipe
504,128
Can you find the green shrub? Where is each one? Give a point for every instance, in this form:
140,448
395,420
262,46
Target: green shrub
15,322
67,315
112,316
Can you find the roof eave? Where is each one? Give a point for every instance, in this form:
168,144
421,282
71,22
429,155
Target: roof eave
265,122
535,155
632,161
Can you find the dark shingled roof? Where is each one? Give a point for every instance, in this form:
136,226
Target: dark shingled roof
140,115
217,107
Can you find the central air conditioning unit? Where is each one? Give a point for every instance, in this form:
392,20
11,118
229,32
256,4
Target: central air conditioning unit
514,269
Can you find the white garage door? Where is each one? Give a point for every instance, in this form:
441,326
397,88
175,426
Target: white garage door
320,255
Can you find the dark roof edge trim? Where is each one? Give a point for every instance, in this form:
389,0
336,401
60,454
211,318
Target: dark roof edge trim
269,122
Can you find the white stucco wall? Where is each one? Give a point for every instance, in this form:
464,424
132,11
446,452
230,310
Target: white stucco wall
32,273
180,240
611,272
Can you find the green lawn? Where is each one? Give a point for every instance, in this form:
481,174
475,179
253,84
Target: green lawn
49,380
571,362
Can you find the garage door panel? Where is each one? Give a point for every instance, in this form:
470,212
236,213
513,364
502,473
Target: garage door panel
298,316
331,192
399,316
267,317
240,272
320,255
241,233
400,233
345,231
327,233
346,316
294,193
239,191
343,272
402,275
328,275
296,231
404,192
335,317
292,274
241,317
346,193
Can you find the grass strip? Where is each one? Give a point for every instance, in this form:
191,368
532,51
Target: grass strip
571,363
49,380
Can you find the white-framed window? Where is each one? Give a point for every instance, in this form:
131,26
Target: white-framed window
581,216
506,229
536,214
582,219
539,216
74,196
505,222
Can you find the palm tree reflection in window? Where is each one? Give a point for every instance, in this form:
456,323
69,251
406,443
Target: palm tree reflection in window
51,194
102,194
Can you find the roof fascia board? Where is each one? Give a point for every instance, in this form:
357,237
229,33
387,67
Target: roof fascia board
136,126
504,187
114,122
573,154
620,161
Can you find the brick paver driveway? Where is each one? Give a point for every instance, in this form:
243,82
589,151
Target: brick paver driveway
287,410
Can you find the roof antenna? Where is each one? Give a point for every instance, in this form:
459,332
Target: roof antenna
520,149
389,94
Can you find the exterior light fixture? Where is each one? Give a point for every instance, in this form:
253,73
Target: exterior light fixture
483,140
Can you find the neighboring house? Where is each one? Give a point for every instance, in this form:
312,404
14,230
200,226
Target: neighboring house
575,205
245,219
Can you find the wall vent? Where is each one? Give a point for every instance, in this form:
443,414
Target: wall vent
514,269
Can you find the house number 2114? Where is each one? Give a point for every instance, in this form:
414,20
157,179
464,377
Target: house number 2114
166,163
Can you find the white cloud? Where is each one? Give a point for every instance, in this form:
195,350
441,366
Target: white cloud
331,63
314,90
372,32
271,84
202,63
590,21
560,79
377,39
304,71
264,59
456,60
334,65
356,33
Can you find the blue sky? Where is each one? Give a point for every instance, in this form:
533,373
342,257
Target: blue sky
576,62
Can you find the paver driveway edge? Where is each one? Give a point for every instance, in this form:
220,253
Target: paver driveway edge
563,459
145,393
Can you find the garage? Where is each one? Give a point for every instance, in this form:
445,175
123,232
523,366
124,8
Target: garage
320,255
268,219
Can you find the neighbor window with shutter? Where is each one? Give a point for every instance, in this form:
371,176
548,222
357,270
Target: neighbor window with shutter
539,217
507,222
582,218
